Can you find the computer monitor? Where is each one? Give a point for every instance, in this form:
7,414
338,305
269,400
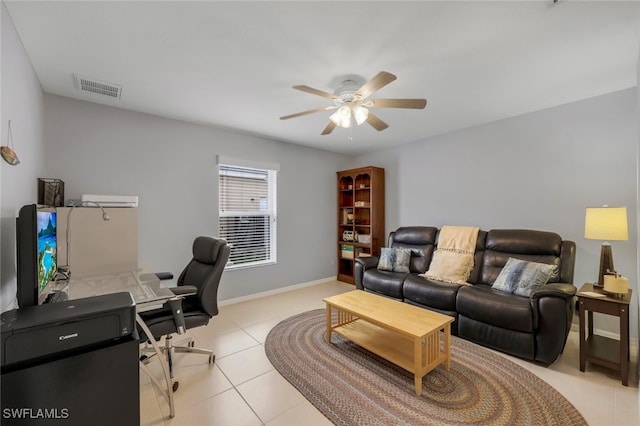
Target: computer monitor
47,247
36,245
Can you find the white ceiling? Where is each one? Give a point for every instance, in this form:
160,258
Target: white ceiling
233,64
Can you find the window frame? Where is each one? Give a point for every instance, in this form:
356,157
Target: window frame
271,171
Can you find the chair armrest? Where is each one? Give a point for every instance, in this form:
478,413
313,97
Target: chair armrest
175,304
184,290
562,290
163,276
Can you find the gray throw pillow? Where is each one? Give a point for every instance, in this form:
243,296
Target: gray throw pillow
403,258
522,278
394,259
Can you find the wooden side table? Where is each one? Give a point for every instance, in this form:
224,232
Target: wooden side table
610,353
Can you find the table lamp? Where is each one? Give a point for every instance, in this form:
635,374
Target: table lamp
607,224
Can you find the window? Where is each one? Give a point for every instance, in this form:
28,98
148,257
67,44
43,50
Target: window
247,214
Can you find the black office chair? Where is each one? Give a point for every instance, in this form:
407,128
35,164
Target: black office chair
195,304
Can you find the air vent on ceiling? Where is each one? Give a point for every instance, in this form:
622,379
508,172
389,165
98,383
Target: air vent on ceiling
86,84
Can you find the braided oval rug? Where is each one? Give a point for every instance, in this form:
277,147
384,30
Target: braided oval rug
352,386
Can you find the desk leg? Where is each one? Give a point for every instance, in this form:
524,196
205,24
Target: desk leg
163,363
624,344
583,343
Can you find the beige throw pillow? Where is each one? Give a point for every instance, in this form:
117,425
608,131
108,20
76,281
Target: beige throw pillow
450,267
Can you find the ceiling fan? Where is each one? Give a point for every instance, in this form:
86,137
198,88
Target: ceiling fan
353,103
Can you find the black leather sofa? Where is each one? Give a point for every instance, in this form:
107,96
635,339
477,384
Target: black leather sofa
533,328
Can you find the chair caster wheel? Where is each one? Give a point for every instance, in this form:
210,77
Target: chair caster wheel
143,358
212,359
175,386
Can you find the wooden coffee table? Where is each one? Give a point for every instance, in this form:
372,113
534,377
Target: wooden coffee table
403,334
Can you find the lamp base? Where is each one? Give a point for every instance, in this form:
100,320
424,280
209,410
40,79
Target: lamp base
606,263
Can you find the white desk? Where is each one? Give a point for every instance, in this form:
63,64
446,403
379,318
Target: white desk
147,291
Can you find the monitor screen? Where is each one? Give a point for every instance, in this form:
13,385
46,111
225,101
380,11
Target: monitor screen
47,247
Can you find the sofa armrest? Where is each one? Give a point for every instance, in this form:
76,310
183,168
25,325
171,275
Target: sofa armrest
361,265
562,290
368,262
553,309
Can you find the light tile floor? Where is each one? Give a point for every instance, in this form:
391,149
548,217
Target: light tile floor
243,388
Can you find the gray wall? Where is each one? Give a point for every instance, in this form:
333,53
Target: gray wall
171,166
638,203
22,103
536,171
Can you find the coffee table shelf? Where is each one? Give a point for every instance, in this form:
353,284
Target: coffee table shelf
405,335
390,345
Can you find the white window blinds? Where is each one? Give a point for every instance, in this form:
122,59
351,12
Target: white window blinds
247,214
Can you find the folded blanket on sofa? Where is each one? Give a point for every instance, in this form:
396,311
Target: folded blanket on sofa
453,259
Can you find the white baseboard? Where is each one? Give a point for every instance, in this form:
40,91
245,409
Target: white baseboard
633,342
274,292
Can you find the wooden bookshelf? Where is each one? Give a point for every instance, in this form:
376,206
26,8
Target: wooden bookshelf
360,217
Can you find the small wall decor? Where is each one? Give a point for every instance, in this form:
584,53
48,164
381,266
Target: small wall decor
7,152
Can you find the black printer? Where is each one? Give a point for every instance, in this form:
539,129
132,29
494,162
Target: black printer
74,362
55,329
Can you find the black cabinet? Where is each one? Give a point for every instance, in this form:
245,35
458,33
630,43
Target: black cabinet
99,385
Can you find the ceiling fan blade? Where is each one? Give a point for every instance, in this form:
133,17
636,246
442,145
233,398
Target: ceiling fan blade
313,91
376,83
400,103
329,128
311,111
376,123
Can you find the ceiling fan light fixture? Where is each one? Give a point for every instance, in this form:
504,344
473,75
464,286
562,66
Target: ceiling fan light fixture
360,113
342,117
351,101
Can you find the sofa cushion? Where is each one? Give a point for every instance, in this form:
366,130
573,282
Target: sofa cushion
450,267
517,343
476,272
420,239
498,308
387,283
521,277
524,244
394,259
434,294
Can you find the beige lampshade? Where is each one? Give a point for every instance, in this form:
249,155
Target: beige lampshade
606,223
